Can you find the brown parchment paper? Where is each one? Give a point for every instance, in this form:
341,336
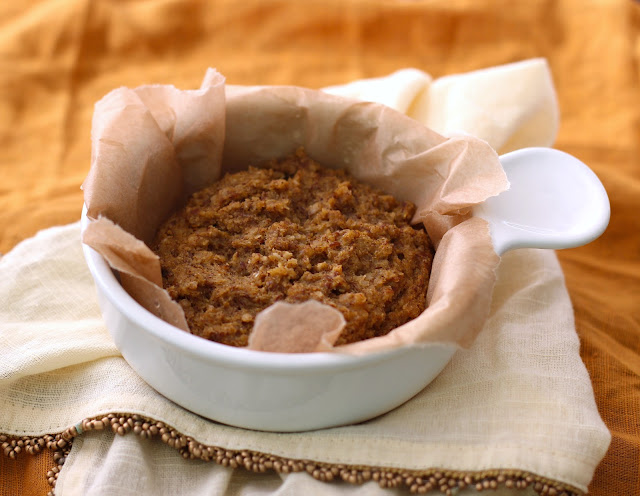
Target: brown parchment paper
153,146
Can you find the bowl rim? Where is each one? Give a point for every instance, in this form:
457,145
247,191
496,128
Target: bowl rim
233,357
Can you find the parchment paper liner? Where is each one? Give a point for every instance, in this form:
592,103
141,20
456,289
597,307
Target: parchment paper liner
154,145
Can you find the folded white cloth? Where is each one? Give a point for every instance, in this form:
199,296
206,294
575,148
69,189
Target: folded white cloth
511,106
519,400
154,468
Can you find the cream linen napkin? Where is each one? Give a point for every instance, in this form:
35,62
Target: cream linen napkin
511,106
519,399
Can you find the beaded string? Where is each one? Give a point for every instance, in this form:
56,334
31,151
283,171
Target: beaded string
417,482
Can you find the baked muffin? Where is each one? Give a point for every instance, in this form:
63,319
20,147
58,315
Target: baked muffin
292,230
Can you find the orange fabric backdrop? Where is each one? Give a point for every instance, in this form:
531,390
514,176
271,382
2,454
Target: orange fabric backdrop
57,57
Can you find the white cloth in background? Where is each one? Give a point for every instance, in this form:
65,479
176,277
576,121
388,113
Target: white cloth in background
511,106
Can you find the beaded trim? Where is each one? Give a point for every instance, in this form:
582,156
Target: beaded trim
418,482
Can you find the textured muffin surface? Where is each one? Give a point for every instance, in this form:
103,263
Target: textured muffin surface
293,230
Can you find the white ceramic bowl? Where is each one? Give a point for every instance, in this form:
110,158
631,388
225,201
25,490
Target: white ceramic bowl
258,390
296,392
